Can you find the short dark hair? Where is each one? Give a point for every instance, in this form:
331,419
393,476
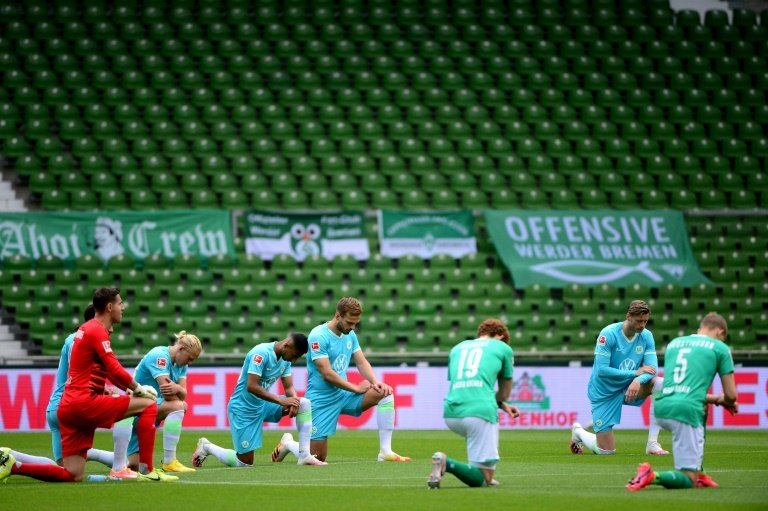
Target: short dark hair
349,305
638,307
104,296
300,341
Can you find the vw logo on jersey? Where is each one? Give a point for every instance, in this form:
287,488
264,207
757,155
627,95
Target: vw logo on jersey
340,364
627,365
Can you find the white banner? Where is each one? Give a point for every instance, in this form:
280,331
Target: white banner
549,398
302,235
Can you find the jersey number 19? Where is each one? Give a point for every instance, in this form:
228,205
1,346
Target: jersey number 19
469,362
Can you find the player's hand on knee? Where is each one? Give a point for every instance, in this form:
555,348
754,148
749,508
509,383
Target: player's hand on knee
382,388
168,389
290,401
292,411
364,386
290,406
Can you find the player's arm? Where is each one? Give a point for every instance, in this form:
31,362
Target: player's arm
182,388
255,388
290,390
604,370
728,399
170,389
505,388
649,360
330,376
602,367
366,371
115,372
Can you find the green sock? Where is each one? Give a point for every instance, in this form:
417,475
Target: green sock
467,474
673,480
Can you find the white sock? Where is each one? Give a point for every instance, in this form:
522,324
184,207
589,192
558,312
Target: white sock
171,434
121,435
590,441
293,447
304,427
104,457
653,426
385,419
226,456
28,458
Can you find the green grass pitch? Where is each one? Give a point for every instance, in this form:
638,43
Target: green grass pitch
537,471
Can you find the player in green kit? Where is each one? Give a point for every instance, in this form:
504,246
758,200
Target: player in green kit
471,407
690,365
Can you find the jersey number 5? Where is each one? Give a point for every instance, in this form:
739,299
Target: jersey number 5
681,365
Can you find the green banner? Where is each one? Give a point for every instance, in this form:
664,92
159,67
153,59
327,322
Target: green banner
302,235
137,234
427,234
557,248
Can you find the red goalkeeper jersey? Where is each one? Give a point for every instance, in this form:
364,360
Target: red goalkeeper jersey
91,362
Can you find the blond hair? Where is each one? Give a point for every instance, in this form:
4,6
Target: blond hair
189,342
349,305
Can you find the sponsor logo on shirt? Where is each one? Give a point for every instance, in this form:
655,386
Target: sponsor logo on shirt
258,359
340,364
315,346
601,340
107,346
627,365
162,363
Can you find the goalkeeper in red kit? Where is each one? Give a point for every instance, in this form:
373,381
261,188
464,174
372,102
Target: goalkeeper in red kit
85,407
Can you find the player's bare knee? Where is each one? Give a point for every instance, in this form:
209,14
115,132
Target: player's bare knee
174,406
246,458
144,402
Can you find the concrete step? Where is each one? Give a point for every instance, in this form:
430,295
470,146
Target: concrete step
12,205
9,345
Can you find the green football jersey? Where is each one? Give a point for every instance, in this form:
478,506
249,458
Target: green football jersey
690,365
474,367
